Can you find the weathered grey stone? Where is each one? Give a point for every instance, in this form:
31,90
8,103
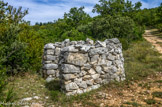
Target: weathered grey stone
114,69
106,68
86,67
115,77
79,91
47,62
49,52
91,71
51,72
77,81
49,46
118,51
73,42
100,44
86,48
95,76
50,66
106,76
69,76
71,86
98,69
95,86
82,84
114,40
57,74
111,57
100,50
87,90
106,81
66,41
90,82
109,63
71,93
66,68
77,58
50,57
89,41
86,77
81,42
69,49
57,51
83,73
98,80
94,59
49,79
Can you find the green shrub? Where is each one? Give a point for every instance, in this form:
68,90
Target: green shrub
159,26
12,52
34,48
2,82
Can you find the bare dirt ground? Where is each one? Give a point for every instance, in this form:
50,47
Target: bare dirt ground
136,94
156,41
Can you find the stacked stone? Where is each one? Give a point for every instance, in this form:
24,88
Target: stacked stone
51,58
50,61
84,66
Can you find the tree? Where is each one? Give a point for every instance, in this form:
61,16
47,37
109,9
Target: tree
76,16
115,7
12,49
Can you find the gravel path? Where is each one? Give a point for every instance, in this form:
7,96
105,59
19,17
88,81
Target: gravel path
154,40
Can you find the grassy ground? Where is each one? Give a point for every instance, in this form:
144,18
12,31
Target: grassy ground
142,88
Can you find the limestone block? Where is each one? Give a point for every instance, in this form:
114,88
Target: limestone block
49,52
98,69
50,66
100,44
69,49
82,84
71,86
89,41
90,82
67,68
68,76
49,46
57,51
51,72
111,57
86,67
94,59
91,71
95,76
50,58
77,58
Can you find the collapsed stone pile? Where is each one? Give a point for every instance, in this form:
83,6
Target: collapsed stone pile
82,66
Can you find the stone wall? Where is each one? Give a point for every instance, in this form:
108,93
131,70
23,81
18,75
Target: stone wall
82,66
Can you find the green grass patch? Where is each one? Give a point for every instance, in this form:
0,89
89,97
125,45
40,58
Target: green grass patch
157,94
141,60
150,101
134,104
158,81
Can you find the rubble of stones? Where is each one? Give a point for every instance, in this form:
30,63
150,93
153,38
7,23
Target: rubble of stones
83,66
